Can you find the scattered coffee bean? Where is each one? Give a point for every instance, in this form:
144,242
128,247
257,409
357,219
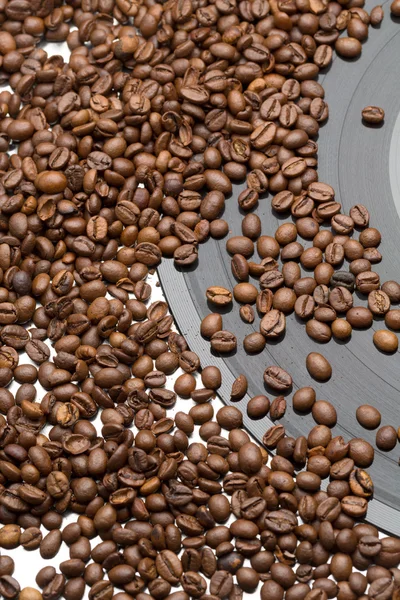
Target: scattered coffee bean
386,341
258,407
386,438
318,366
373,115
368,416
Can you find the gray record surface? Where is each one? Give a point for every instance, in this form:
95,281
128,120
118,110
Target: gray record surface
363,165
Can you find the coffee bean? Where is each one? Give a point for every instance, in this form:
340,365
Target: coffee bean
258,407
368,416
223,342
392,320
219,296
392,289
386,341
273,324
341,329
378,302
318,366
278,408
250,458
386,438
321,332
361,452
239,388
277,378
247,313
373,114
211,324
348,47
304,399
245,293
273,436
359,317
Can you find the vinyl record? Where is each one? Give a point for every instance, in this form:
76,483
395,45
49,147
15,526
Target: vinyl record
362,163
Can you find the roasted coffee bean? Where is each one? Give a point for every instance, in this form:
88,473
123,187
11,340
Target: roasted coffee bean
392,289
239,388
368,416
392,320
319,331
386,341
278,408
318,366
219,296
359,317
304,399
247,313
258,407
373,114
277,378
211,324
386,438
223,342
273,324
273,435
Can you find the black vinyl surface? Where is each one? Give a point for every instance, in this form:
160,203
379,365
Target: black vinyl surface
363,165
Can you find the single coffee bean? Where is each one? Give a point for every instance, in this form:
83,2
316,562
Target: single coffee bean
373,114
341,328
239,388
392,320
378,302
304,306
254,343
359,317
348,47
223,342
324,413
210,325
258,407
304,399
278,408
247,313
319,331
386,341
344,279
277,378
318,366
273,324
386,438
273,436
392,289
219,296
368,416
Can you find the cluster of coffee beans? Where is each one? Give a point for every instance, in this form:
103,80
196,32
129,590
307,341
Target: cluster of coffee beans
323,299
126,153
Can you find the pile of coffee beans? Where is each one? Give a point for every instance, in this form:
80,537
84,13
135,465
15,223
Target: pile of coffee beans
125,154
